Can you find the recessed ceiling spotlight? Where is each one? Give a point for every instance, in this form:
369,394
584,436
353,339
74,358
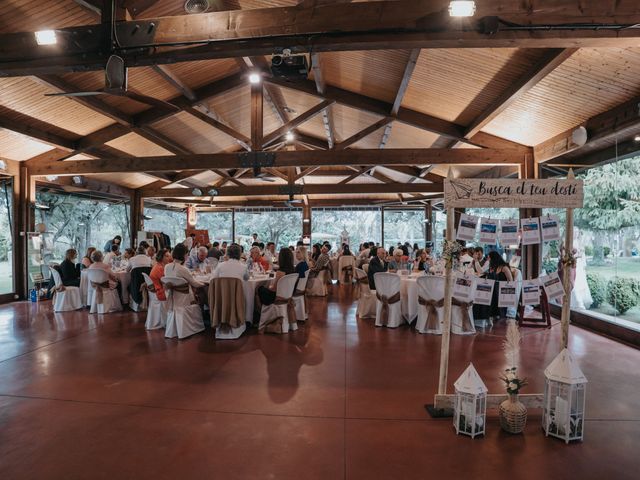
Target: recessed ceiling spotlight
51,178
46,37
76,180
462,8
289,137
196,6
254,78
636,138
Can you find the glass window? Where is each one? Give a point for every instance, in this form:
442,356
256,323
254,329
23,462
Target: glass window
360,225
404,225
6,240
170,222
284,227
607,240
218,224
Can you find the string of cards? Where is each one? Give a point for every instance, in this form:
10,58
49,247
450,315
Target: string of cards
469,288
534,230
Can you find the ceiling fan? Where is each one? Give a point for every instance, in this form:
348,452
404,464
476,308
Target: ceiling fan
260,175
115,81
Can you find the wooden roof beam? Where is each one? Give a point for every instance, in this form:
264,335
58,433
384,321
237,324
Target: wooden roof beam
299,120
36,129
327,114
365,132
309,158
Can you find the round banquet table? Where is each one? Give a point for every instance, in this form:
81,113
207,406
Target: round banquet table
409,296
123,277
333,265
250,287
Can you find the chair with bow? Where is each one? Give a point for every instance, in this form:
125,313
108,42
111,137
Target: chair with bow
462,316
365,267
365,296
430,304
388,311
298,298
346,267
279,317
156,312
184,318
227,307
317,282
138,298
104,298
65,299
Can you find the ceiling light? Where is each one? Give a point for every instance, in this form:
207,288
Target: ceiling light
212,192
289,137
636,138
254,78
51,178
3,165
77,180
196,192
46,37
462,8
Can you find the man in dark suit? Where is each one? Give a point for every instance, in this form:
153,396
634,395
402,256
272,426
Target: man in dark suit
377,265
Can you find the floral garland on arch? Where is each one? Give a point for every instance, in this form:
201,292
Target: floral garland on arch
451,253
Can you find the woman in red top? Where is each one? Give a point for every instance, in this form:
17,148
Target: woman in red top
163,257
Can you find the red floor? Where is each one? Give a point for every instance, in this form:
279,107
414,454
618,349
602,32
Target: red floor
86,397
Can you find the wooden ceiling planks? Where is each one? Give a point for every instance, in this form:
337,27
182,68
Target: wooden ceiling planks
163,8
197,74
375,74
590,82
16,146
349,121
406,136
131,180
200,137
457,84
26,95
134,144
29,15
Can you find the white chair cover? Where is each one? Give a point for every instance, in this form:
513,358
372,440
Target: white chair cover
144,304
65,299
183,318
367,301
271,313
110,301
298,298
156,312
345,262
431,289
318,285
365,267
460,323
388,285
226,331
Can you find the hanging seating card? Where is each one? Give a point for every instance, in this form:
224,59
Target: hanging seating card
484,291
507,294
488,231
467,227
530,292
549,227
463,287
508,233
552,285
530,231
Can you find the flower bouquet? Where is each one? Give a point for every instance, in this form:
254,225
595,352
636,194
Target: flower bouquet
512,382
451,253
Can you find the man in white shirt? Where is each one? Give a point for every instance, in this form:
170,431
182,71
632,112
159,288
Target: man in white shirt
232,268
199,261
140,259
270,252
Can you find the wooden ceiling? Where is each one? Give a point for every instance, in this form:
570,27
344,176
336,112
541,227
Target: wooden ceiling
517,96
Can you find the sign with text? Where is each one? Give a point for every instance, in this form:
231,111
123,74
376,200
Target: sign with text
510,193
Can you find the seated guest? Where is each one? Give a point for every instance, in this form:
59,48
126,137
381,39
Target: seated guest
267,295
480,264
377,265
346,252
151,253
396,262
114,253
86,260
465,258
256,258
98,263
270,252
68,272
232,268
323,259
177,269
214,251
199,261
144,244
163,258
425,262
223,248
302,265
140,259
315,252
128,253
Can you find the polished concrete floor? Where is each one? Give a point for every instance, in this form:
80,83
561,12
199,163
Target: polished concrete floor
89,397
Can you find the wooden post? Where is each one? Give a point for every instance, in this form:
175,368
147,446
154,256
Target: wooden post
446,326
566,274
382,227
233,225
135,220
256,116
25,222
428,224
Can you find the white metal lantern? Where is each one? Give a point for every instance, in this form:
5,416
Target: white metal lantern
470,403
564,398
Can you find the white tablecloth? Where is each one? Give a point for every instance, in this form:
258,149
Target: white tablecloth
123,277
409,296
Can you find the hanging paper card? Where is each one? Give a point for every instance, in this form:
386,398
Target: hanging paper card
507,294
484,291
467,227
488,231
530,292
530,231
552,285
463,287
508,233
549,228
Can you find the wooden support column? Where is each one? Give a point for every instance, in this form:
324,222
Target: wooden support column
233,226
256,116
566,274
136,222
531,254
24,222
428,224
